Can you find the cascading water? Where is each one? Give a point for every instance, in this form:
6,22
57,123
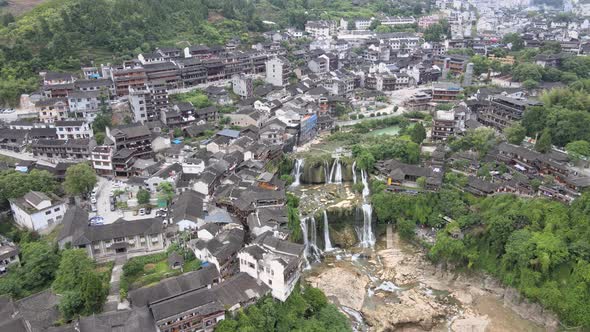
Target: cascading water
338,174
298,171
332,170
366,235
327,242
327,175
354,172
310,238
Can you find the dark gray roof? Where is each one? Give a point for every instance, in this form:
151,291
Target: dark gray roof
120,228
239,289
39,310
138,319
279,246
202,301
170,287
73,220
188,206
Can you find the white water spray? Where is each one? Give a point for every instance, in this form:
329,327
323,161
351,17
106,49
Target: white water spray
328,243
298,171
354,172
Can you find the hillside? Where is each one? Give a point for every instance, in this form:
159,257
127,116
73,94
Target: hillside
65,34
17,7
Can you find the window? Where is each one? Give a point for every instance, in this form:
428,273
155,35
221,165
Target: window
48,212
270,282
56,209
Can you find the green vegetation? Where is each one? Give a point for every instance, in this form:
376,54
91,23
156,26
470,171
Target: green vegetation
83,288
565,114
198,98
166,192
150,269
14,184
143,196
294,223
80,179
39,261
304,310
437,32
538,246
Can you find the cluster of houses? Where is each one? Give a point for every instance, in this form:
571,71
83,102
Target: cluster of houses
264,100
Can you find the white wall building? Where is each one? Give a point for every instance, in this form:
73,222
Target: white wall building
274,262
37,211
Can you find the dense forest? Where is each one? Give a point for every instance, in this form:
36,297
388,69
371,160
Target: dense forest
536,245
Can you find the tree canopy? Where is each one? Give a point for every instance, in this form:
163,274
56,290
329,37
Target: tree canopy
80,179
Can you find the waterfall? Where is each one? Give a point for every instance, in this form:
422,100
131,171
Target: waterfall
366,237
338,175
366,190
298,171
328,243
326,174
354,172
303,223
332,170
310,238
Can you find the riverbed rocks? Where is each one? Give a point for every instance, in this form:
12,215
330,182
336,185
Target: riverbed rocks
344,238
414,309
345,285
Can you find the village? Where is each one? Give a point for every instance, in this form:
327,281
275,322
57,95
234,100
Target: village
197,152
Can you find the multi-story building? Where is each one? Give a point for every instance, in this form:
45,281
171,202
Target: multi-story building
277,71
448,123
398,20
84,104
194,311
73,129
275,262
38,211
242,85
126,78
52,109
502,111
452,63
135,137
69,149
8,254
147,102
104,242
445,92
320,29
101,158
122,162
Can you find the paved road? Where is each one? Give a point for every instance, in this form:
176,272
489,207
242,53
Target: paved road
103,203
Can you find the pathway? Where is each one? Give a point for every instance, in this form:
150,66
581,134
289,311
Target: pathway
113,299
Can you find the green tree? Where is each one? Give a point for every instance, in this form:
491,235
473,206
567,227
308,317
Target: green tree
143,196
543,144
73,267
92,293
71,304
530,84
177,132
527,72
514,41
166,192
406,228
39,263
418,133
80,179
578,149
515,134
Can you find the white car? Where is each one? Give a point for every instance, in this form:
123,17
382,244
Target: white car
93,199
142,212
94,209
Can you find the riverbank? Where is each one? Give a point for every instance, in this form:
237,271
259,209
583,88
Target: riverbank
395,287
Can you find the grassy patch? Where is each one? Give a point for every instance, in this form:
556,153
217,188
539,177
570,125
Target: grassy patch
149,270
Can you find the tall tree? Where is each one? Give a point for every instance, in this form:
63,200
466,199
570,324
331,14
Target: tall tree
515,133
418,133
543,144
80,179
166,192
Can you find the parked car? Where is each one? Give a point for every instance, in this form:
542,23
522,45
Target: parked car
93,199
113,207
142,212
93,207
148,210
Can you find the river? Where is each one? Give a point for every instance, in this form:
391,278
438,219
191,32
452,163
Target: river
392,286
